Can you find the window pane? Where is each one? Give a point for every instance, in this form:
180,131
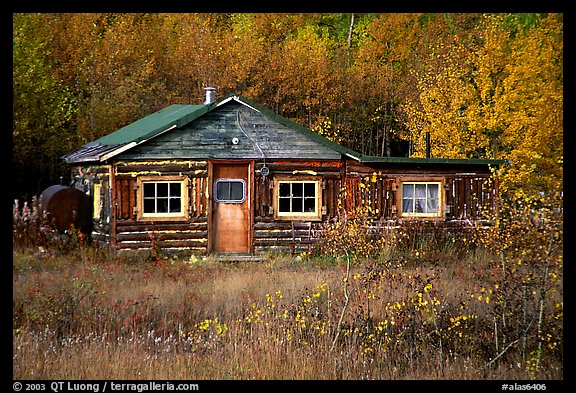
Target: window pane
162,205
236,191
162,197
310,205
432,190
149,206
420,190
297,205
284,190
407,206
175,190
408,190
149,190
309,189
420,206
175,205
420,197
432,205
161,189
229,191
284,205
297,189
222,191
299,197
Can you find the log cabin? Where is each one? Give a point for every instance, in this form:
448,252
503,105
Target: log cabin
231,177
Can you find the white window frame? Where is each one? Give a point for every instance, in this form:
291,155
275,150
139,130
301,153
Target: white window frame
439,212
316,215
180,215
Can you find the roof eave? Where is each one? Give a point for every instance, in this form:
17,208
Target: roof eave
421,160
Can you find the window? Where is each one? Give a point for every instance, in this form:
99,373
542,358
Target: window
230,190
162,197
298,199
421,199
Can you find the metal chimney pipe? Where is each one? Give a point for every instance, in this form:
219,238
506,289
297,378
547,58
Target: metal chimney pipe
427,144
209,95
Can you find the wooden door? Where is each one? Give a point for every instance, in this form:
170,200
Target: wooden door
230,208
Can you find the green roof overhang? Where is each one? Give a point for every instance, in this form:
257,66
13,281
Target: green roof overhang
175,115
421,160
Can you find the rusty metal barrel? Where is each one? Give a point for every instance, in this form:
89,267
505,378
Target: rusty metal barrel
67,207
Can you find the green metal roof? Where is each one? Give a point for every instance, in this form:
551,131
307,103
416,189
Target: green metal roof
151,125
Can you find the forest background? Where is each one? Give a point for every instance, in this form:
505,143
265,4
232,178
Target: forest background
483,85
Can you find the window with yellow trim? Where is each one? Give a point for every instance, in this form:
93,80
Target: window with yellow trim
162,197
298,199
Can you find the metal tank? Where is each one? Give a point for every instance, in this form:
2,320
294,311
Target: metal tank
67,206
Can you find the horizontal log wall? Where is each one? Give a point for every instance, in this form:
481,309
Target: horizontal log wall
133,234
468,196
344,187
328,171
270,235
191,235
276,235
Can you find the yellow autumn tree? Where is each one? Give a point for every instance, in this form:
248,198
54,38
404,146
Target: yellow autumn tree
518,103
444,94
534,99
497,93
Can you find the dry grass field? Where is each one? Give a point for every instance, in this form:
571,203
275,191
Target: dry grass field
414,304
85,316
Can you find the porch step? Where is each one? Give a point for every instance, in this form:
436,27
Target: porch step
238,257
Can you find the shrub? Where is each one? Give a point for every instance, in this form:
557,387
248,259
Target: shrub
31,227
33,230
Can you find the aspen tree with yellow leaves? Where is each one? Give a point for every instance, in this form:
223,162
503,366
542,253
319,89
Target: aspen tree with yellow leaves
497,95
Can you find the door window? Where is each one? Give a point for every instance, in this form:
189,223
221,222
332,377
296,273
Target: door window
230,190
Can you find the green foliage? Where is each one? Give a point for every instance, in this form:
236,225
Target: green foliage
44,110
